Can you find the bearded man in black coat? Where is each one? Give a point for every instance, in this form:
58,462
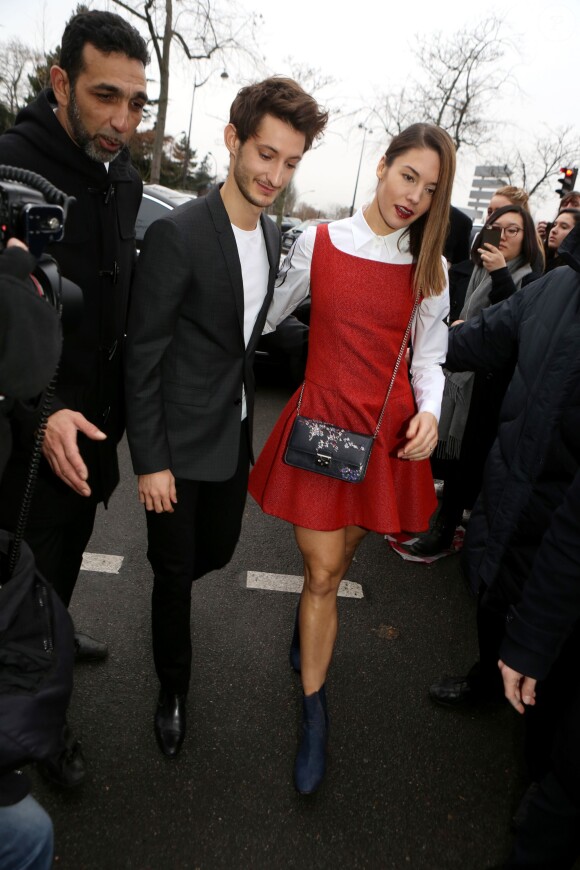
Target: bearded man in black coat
75,135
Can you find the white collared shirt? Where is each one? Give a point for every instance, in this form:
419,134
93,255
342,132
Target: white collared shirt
354,236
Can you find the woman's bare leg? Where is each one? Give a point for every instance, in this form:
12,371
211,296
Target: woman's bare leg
327,557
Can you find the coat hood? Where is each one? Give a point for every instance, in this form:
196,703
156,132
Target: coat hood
39,118
569,250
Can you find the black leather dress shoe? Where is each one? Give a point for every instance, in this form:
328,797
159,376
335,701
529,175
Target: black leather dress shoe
67,769
170,722
88,649
452,691
461,692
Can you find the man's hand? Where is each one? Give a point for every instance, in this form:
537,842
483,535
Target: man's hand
61,450
157,491
15,243
421,437
518,688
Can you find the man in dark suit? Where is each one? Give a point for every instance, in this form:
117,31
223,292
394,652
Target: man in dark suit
204,282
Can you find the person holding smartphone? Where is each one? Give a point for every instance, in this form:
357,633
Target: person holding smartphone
503,257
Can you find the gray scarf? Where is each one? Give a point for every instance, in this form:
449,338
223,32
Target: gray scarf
479,287
459,385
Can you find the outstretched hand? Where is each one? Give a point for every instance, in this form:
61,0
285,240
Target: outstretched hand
518,688
61,450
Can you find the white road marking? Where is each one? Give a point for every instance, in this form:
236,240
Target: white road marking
101,562
292,583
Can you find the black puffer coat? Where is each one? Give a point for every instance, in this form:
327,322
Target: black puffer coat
98,254
524,533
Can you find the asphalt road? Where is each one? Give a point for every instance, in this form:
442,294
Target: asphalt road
408,784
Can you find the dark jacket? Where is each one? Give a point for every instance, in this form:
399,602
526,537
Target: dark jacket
186,357
458,236
14,787
524,533
98,254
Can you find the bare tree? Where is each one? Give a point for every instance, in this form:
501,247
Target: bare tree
311,78
533,167
17,60
458,75
204,30
314,81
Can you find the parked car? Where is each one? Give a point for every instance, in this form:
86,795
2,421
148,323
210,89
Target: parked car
283,351
290,236
157,201
287,222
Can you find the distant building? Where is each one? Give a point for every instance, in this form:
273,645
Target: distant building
486,180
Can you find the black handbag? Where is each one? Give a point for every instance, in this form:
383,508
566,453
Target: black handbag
331,450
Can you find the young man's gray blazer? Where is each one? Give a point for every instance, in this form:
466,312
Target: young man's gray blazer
186,360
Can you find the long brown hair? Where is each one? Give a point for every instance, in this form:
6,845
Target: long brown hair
428,233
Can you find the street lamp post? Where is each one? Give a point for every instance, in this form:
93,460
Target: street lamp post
187,155
366,130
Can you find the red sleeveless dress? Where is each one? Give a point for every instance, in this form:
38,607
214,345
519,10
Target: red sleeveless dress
360,310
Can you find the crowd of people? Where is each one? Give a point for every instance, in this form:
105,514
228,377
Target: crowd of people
491,393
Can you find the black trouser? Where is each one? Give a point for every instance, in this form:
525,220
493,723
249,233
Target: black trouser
59,526
199,536
548,835
485,675
58,549
57,539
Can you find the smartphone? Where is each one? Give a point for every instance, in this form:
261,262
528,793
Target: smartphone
490,237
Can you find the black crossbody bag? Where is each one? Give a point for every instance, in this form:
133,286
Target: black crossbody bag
331,450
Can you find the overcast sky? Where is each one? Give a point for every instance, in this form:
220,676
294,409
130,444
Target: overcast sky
365,56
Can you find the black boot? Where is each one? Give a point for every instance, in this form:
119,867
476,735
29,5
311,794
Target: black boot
310,764
170,722
295,645
67,768
88,649
435,541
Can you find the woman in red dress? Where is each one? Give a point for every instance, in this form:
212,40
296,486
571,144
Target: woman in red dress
363,274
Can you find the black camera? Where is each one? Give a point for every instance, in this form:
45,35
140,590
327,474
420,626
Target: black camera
34,211
25,214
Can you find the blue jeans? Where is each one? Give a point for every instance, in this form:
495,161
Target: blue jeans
26,837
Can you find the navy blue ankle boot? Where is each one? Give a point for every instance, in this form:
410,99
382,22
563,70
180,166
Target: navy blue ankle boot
295,645
310,764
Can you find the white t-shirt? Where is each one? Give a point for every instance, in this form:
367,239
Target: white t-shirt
255,270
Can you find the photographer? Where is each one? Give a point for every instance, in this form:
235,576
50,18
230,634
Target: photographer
30,344
75,135
26,322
